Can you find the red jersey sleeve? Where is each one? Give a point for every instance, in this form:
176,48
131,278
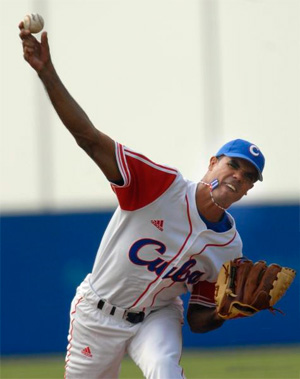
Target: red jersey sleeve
203,294
143,180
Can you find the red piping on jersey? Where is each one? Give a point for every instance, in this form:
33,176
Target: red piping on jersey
200,300
123,163
197,297
71,336
180,250
149,160
208,245
154,297
215,245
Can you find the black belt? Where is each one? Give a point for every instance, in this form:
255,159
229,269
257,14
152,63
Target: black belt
132,317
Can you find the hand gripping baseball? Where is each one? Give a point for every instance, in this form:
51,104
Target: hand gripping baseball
36,53
244,288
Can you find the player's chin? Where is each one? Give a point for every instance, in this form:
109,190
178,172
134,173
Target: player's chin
236,199
227,201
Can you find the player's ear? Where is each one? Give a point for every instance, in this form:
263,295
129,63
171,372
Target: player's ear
213,161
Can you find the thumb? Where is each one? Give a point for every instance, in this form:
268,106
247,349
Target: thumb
44,39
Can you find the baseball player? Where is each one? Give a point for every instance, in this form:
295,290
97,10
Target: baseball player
168,236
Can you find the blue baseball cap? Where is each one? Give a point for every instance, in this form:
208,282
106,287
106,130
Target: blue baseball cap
240,148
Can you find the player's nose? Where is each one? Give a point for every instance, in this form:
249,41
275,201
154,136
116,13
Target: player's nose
238,175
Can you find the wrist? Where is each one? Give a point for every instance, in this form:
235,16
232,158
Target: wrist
46,70
217,317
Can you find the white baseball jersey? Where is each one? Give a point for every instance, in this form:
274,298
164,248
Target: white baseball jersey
156,245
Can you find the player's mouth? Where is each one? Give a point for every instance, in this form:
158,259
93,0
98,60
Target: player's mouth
231,187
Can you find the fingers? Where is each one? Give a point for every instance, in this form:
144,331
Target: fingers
28,40
30,46
24,33
28,53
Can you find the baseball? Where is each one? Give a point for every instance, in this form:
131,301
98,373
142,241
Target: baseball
33,22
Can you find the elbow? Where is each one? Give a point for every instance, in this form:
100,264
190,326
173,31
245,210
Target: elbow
83,143
203,322
86,145
88,140
196,328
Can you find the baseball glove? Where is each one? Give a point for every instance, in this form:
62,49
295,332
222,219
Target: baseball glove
244,288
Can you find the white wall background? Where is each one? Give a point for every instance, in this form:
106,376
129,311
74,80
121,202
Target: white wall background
173,79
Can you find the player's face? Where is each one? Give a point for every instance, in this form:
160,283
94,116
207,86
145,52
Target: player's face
236,177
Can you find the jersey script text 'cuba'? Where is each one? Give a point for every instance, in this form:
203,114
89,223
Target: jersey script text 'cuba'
159,265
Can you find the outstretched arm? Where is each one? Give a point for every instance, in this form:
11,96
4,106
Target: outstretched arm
203,319
97,145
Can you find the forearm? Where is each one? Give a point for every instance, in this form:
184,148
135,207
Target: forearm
203,319
96,144
68,110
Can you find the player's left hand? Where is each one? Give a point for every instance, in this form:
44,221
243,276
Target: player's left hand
244,288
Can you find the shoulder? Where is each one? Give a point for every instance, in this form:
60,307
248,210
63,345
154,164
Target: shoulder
143,179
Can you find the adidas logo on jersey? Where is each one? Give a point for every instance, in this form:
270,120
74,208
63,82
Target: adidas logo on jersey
87,352
159,224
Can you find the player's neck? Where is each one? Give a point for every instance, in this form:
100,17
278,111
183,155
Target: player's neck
206,206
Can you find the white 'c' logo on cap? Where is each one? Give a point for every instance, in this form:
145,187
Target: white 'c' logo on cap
254,150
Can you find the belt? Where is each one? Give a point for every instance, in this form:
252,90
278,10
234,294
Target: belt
132,317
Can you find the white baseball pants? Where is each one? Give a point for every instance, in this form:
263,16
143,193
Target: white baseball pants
98,343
